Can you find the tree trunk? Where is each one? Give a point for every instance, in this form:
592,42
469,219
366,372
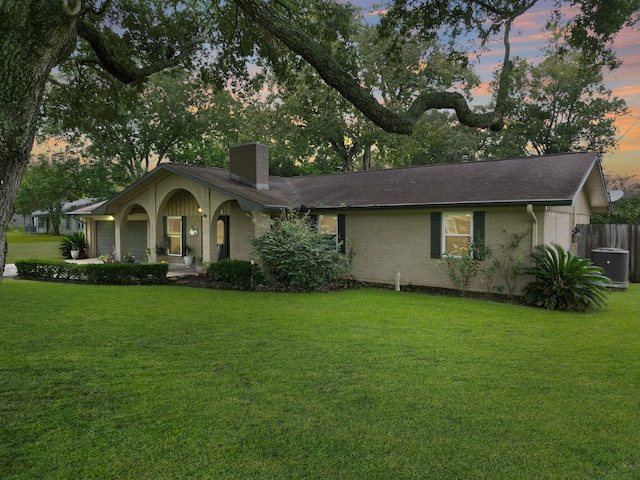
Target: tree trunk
36,36
366,157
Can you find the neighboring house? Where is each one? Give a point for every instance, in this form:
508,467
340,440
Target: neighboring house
40,222
17,221
400,219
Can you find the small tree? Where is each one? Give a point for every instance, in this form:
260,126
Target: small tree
506,265
294,254
464,264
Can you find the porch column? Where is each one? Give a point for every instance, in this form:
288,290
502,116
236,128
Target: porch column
120,231
152,236
206,234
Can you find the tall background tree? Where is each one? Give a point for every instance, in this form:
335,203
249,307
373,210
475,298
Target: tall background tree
49,183
133,39
626,210
559,105
134,127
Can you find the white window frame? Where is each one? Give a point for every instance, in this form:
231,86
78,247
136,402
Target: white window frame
444,234
324,229
175,236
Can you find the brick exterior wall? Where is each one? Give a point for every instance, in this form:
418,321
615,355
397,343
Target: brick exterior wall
386,241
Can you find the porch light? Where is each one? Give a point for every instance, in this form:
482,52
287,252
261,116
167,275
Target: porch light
199,209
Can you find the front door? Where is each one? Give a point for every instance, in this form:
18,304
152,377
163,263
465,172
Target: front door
222,228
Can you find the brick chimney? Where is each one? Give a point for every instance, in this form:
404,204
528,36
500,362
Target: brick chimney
249,164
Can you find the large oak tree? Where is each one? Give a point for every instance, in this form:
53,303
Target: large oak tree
132,39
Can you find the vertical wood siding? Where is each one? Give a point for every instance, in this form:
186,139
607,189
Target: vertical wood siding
180,204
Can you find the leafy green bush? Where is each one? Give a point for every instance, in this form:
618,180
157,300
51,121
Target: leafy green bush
464,264
294,254
238,273
108,273
564,281
75,241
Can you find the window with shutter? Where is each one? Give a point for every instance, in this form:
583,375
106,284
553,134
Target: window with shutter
333,225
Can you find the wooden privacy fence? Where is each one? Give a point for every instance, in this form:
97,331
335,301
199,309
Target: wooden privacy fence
626,237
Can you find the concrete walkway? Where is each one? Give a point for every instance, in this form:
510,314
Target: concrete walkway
10,270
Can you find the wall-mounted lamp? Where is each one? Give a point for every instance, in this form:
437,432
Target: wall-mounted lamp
199,209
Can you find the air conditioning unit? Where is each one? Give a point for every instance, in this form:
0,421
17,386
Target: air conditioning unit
615,263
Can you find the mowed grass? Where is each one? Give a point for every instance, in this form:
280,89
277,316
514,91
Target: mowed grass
24,247
175,382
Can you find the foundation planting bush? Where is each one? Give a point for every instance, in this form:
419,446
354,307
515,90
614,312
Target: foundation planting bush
106,273
237,273
293,254
564,281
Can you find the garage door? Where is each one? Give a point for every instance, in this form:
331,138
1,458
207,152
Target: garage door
137,239
105,237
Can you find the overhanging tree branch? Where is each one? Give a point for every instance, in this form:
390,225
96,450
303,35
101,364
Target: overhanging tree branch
339,78
119,70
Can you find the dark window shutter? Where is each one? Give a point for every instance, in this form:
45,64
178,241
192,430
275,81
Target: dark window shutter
184,235
436,234
165,246
313,221
341,233
478,233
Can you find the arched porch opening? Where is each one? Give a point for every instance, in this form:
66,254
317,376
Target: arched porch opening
232,232
179,227
134,233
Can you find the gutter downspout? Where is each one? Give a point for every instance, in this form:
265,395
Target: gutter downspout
534,227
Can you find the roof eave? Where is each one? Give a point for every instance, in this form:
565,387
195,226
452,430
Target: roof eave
439,205
245,203
596,164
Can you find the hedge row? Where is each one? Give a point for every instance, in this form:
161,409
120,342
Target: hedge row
109,273
236,273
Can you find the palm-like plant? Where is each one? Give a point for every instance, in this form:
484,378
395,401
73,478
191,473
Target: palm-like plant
75,241
564,281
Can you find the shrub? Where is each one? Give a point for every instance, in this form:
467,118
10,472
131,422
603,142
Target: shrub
294,254
237,273
505,265
109,273
564,281
464,264
75,241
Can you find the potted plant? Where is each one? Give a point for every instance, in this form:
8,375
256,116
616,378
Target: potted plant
200,266
73,246
188,258
75,251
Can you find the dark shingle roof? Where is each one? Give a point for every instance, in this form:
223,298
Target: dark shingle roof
549,180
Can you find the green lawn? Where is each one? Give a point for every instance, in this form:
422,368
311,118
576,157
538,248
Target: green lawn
175,382
24,247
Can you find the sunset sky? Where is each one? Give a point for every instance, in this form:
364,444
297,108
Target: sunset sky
526,40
